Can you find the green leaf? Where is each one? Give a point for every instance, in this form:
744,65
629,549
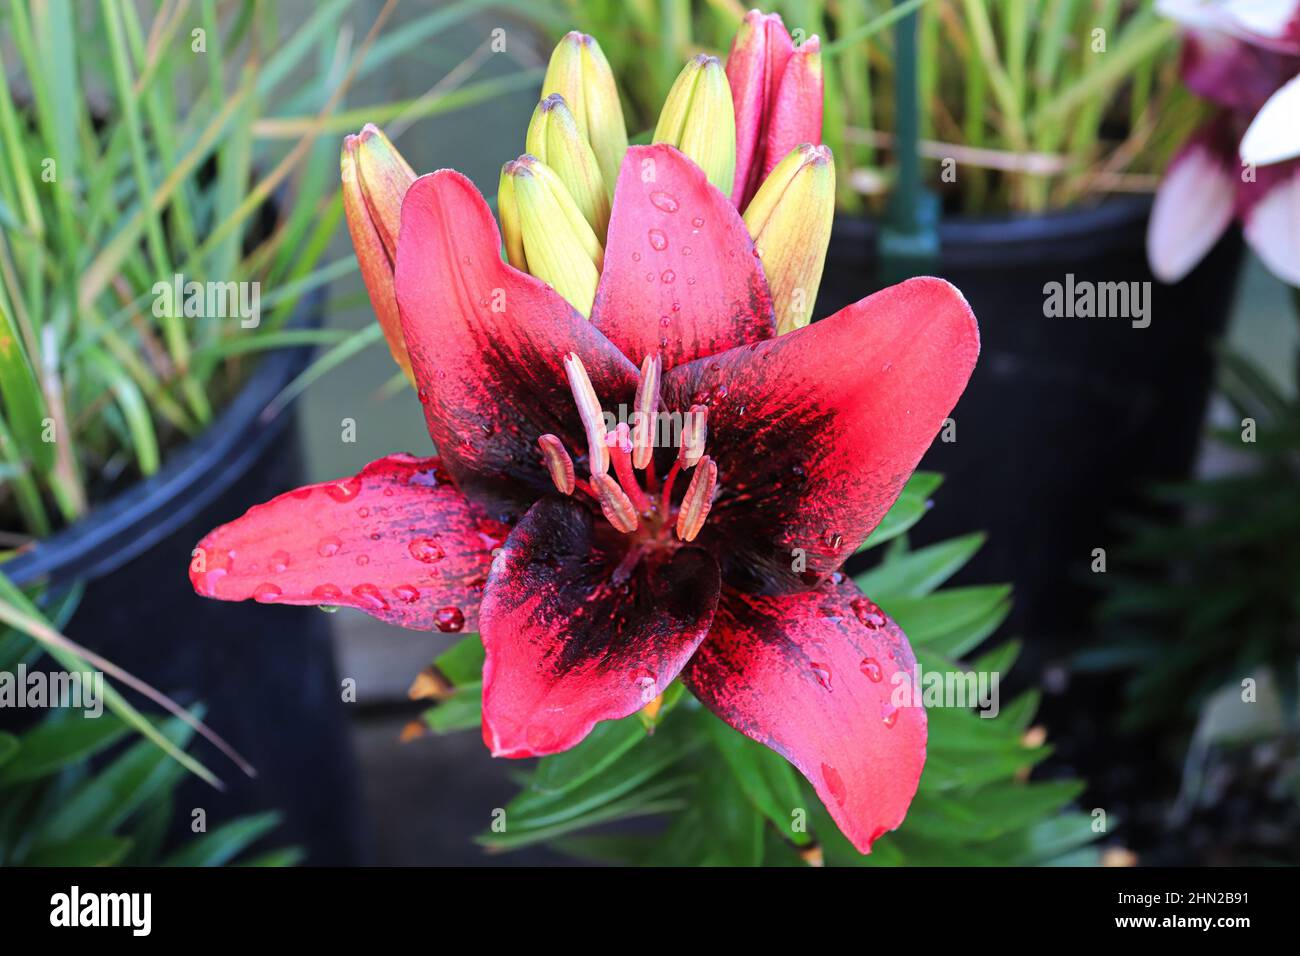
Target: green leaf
106,798
56,743
9,747
462,663
764,776
910,508
93,851
224,843
917,573
953,621
607,741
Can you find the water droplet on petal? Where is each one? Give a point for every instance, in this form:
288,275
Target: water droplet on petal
697,222
328,546
363,559
449,620
657,239
834,783
822,673
326,592
407,593
279,561
664,201
636,257
426,550
645,683
266,593
871,668
668,276
344,490
888,714
369,595
868,612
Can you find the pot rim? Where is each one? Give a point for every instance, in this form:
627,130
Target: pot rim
126,525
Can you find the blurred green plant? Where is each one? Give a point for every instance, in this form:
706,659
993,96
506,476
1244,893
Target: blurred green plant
722,799
201,143
77,791
1039,103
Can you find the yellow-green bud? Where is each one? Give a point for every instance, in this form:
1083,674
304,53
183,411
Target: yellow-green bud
579,72
545,232
699,119
789,219
554,138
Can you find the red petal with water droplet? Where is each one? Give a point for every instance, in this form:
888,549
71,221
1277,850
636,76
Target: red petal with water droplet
680,276
788,672
487,344
567,643
397,541
816,432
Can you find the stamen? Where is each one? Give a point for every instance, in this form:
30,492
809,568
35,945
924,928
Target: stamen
558,463
616,506
593,419
667,498
646,406
695,430
698,499
620,447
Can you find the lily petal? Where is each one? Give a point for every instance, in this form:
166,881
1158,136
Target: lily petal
1270,217
1194,203
1274,133
816,432
397,541
680,278
814,677
568,643
487,344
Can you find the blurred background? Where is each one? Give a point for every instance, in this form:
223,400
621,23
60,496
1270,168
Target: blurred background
1069,432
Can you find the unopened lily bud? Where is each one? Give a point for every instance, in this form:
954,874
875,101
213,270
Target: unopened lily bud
777,90
579,72
375,178
545,232
554,138
789,220
699,119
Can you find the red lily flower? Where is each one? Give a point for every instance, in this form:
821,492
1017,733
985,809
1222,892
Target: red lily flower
615,574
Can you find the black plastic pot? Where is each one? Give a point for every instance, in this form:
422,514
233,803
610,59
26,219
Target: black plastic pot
1066,421
268,681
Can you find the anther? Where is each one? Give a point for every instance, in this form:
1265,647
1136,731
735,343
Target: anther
615,504
698,499
558,463
593,419
695,430
645,408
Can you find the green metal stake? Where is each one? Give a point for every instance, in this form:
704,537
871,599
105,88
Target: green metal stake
908,243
